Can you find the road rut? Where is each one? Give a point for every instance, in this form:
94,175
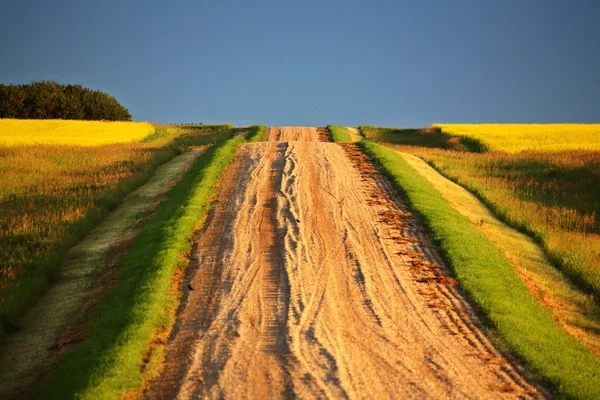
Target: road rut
312,279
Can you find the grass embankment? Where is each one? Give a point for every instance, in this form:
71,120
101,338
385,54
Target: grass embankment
55,321
426,137
552,196
488,279
513,138
257,132
108,361
574,310
339,133
52,195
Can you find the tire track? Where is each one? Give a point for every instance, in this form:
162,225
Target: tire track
314,280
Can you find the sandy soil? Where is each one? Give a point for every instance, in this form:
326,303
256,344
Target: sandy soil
312,279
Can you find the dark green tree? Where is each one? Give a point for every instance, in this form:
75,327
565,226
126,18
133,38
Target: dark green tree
12,100
52,100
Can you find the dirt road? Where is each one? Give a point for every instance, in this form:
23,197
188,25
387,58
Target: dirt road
311,279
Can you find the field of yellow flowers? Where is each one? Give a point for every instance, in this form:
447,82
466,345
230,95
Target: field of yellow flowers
513,138
552,195
14,132
52,194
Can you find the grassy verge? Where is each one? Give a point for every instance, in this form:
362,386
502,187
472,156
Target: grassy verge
339,133
551,196
489,280
256,133
85,272
108,361
432,137
574,310
53,195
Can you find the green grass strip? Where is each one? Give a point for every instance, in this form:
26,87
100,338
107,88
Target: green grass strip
339,133
256,133
108,361
527,329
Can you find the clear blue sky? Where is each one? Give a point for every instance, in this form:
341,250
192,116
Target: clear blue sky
392,63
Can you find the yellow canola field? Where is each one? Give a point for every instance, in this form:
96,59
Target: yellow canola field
15,132
513,138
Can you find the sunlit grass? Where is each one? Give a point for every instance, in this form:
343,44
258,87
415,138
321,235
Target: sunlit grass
488,278
339,133
17,132
572,308
513,138
51,195
553,196
257,132
108,361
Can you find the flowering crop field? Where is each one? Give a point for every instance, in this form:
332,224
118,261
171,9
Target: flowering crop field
51,195
552,195
513,138
14,132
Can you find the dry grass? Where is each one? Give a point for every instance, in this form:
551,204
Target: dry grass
16,132
575,311
554,196
51,195
529,331
113,357
57,321
513,138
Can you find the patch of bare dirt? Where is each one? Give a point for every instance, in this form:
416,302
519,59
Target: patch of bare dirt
296,134
324,135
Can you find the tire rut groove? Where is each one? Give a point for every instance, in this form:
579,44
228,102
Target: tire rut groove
316,281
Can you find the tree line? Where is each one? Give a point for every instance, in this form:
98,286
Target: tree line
53,100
